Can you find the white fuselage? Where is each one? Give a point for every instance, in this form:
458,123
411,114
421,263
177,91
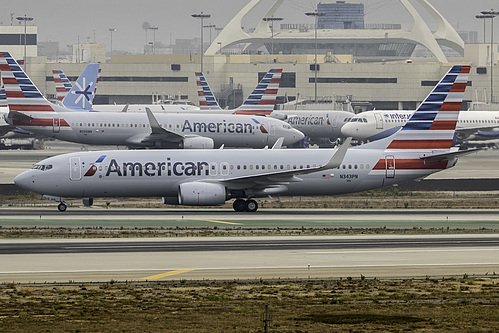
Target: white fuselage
148,173
108,128
375,125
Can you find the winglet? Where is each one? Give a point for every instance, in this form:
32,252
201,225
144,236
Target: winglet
338,157
278,143
155,126
125,109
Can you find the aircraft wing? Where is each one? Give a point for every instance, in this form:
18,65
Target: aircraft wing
158,132
276,178
4,129
465,133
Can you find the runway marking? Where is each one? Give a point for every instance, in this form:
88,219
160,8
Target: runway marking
162,275
215,221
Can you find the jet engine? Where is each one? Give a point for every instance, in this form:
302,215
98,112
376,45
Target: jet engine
198,142
202,194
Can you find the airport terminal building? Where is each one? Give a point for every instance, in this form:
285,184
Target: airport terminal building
372,67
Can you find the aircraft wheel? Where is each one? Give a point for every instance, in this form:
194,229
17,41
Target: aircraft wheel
239,205
62,207
251,206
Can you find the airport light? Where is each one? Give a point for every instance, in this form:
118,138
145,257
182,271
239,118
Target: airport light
316,15
210,26
111,30
25,19
219,47
201,16
491,14
272,19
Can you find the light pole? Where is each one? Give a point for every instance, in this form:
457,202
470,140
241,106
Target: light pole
111,30
272,20
209,26
25,19
316,15
491,15
153,28
219,47
201,16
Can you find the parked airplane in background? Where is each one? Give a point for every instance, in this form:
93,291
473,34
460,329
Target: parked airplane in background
62,84
375,125
211,177
31,111
320,126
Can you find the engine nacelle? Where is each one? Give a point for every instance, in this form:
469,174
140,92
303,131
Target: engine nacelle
278,115
198,142
202,194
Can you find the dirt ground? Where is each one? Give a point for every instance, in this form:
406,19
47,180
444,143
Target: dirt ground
352,304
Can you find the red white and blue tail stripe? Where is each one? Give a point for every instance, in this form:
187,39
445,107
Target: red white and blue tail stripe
433,124
206,98
262,99
62,84
22,94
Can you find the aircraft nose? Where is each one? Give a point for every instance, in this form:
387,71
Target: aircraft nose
349,130
25,180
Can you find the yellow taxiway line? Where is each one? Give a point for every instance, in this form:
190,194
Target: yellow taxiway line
214,221
162,275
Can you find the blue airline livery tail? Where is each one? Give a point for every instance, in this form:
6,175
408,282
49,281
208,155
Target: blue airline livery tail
81,95
260,101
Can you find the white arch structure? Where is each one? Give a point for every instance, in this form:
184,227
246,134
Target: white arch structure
420,34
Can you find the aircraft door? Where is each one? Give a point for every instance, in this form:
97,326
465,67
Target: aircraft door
56,122
390,166
74,168
272,129
379,121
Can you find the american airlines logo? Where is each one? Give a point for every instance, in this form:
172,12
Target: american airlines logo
157,169
221,127
296,120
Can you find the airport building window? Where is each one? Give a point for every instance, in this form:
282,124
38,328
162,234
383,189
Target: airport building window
353,80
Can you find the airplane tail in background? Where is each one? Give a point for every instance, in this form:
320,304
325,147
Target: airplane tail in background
433,124
262,99
81,95
62,84
22,94
206,98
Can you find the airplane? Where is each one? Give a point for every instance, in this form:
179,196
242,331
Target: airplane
211,177
377,124
320,126
31,111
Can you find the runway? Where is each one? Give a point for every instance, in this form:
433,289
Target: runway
247,258
271,218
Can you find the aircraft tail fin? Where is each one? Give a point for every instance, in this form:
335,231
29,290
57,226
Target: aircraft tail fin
433,124
206,98
81,95
22,94
262,99
62,84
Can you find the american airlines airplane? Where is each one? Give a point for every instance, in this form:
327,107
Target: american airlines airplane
320,126
29,110
211,177
375,125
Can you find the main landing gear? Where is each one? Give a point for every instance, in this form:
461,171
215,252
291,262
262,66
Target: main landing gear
62,206
241,205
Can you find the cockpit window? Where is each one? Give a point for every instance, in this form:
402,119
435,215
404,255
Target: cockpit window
43,167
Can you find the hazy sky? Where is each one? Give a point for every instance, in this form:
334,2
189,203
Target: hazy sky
64,21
